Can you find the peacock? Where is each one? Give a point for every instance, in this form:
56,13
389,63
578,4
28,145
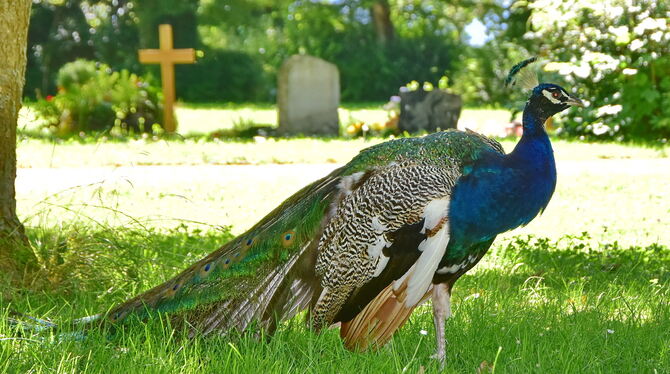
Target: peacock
371,241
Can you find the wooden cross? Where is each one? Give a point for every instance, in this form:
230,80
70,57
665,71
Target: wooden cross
167,57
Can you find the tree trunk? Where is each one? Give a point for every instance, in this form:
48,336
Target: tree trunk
14,18
381,18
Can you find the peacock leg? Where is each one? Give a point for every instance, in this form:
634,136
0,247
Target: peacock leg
441,311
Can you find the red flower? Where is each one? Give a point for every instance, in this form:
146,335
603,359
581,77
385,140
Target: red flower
49,97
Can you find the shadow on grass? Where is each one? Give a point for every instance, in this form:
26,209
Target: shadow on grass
578,258
533,305
106,265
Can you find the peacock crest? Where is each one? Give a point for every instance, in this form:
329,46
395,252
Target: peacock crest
522,75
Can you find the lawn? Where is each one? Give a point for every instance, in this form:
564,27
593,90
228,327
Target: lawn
207,118
586,293
532,306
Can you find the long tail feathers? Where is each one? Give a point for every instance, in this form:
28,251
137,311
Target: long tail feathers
278,297
31,326
263,276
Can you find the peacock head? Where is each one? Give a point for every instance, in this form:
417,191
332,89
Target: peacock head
549,99
546,99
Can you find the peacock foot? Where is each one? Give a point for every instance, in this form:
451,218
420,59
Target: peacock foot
439,356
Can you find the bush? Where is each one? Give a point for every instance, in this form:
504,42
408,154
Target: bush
616,55
93,98
223,75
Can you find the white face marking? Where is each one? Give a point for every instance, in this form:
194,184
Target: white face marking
548,95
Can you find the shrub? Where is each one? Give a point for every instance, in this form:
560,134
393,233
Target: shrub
616,54
93,98
223,75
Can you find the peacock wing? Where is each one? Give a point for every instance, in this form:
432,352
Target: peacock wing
379,252
389,228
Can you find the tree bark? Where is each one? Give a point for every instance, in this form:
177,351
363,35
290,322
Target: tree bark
14,18
381,18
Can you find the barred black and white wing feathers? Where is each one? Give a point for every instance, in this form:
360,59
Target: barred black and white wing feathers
377,211
380,251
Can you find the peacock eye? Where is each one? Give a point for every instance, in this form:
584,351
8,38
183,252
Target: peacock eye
556,95
288,238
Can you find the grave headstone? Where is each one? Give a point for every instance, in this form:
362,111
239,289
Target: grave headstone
429,110
308,95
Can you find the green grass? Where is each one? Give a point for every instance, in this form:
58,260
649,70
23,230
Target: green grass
533,305
587,294
196,148
205,118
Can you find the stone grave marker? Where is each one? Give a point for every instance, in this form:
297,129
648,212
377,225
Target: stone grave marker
308,95
429,110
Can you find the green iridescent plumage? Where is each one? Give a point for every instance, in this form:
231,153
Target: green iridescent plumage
439,148
238,267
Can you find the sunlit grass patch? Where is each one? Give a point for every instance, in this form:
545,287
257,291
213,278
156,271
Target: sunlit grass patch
538,305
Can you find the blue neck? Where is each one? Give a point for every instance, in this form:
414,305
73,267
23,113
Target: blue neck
504,192
533,149
533,120
533,156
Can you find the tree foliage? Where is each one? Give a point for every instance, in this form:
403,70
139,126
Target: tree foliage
422,39
616,54
245,42
62,31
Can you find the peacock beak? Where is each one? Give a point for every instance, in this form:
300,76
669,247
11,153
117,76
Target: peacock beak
573,101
